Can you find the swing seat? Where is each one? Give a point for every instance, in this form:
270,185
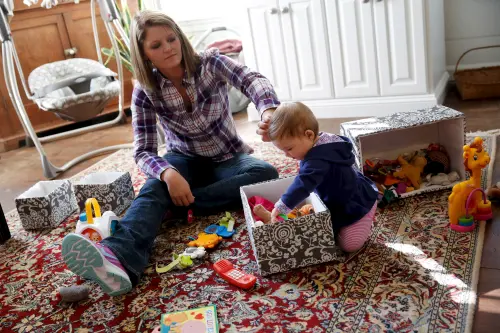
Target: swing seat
74,89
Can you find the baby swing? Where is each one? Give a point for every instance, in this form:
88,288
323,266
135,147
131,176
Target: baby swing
74,89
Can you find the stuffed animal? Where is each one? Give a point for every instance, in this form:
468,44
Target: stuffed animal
306,210
442,178
412,171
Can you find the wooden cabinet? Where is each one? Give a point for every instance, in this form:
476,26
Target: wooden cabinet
41,36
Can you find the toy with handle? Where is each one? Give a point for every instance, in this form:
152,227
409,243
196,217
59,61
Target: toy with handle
96,227
483,213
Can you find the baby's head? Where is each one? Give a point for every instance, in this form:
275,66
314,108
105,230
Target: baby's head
293,129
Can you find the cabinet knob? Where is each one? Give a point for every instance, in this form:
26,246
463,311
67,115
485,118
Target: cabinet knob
285,10
273,11
366,1
70,52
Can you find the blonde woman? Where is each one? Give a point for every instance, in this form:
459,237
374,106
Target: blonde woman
206,163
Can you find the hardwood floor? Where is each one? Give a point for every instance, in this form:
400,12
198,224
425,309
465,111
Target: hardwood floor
21,168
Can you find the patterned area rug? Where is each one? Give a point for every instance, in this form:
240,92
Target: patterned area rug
415,274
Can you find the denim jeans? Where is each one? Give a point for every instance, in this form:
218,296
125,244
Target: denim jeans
215,186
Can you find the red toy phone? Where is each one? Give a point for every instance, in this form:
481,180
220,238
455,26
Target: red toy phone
234,275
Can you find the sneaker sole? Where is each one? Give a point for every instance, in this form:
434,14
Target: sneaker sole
84,259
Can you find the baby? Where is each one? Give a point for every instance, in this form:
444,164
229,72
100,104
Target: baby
326,168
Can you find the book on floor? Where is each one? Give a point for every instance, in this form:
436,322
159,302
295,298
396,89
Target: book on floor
199,320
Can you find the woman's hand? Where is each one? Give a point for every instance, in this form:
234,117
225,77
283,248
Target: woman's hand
178,188
264,124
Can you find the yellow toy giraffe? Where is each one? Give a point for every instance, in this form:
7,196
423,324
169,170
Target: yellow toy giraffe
476,158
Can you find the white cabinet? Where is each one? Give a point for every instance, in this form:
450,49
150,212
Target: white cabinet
289,46
349,58
263,47
352,48
304,34
400,32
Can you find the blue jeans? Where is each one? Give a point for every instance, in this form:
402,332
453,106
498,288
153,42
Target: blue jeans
215,186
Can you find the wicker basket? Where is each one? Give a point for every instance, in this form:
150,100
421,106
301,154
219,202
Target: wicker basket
479,82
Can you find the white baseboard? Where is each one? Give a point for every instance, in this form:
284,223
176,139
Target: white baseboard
442,88
362,107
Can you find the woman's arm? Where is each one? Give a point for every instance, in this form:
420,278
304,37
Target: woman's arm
145,136
253,84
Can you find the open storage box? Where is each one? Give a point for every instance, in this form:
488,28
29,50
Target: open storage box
282,246
112,190
388,137
46,204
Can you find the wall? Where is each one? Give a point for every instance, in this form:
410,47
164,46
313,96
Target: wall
472,23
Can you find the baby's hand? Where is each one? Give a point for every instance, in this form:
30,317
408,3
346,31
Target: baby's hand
274,215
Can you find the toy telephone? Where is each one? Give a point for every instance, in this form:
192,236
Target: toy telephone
97,227
233,275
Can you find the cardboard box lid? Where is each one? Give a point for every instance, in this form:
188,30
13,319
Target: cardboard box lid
401,120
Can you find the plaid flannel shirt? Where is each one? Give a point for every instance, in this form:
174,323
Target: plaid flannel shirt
208,130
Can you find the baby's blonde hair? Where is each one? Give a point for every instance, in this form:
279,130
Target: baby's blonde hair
292,120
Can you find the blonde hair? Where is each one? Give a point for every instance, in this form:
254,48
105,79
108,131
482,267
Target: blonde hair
292,120
143,68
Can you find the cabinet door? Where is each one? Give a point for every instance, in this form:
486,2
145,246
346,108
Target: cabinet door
400,33
306,48
38,41
263,44
352,48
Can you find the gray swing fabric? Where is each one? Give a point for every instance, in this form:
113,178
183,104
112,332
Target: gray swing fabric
74,89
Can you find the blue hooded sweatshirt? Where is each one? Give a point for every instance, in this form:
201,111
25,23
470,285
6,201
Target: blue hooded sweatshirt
327,169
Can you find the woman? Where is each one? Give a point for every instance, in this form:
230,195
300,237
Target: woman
207,161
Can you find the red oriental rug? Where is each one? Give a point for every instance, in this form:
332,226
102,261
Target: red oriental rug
413,275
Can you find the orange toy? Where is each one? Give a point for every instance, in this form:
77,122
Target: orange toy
208,241
306,209
476,158
413,171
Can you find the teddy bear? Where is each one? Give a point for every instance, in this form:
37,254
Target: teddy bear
411,171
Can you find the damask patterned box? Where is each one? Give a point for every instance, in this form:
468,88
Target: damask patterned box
387,137
113,191
46,204
304,241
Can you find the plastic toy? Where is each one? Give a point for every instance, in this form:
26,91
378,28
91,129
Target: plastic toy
411,171
483,213
195,252
208,241
220,230
190,216
179,261
475,158
234,275
226,221
99,227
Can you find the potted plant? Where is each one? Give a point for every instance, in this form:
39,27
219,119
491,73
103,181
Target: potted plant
125,19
